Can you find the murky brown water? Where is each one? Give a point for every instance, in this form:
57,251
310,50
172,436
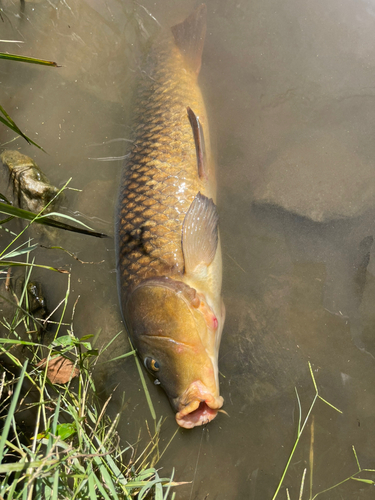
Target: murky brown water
290,91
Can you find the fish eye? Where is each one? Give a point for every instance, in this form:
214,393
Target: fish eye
151,364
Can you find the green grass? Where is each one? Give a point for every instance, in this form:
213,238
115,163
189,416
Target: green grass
71,449
41,218
300,429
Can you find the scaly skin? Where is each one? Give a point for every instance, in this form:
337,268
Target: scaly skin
161,176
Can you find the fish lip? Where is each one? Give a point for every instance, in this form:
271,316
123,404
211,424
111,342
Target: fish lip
197,406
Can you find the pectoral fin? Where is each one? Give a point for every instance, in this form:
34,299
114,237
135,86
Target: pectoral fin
199,143
200,233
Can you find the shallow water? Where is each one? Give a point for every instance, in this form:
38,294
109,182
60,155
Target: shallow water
289,90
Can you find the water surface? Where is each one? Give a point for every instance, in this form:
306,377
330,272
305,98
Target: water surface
290,94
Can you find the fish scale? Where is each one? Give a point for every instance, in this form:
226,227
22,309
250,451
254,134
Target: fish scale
160,177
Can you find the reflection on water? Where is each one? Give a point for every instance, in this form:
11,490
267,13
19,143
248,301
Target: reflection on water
289,87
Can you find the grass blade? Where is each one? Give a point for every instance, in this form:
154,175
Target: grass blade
356,459
31,60
11,411
100,488
64,216
169,485
145,389
367,481
91,482
55,490
7,263
12,125
17,252
45,220
127,354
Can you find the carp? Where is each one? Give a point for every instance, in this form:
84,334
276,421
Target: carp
167,237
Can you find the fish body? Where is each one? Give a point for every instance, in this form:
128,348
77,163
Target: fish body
168,248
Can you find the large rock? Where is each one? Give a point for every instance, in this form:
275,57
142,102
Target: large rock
320,178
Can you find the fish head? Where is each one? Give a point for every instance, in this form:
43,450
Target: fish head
177,335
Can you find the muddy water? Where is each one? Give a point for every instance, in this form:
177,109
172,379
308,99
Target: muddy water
289,89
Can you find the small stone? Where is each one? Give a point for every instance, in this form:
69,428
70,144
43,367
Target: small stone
319,178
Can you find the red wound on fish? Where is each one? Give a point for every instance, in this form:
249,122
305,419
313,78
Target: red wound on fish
215,322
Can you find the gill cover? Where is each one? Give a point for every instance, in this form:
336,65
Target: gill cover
173,330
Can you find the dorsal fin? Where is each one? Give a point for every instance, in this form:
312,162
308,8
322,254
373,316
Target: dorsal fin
189,37
199,143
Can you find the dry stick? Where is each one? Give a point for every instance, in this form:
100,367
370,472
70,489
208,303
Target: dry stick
103,410
7,281
71,254
302,484
2,384
153,445
58,305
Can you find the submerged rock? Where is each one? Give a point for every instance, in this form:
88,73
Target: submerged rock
31,188
319,178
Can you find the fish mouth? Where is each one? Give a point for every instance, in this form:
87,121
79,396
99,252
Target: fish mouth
197,406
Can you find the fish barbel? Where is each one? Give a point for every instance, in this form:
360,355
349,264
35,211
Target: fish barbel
167,239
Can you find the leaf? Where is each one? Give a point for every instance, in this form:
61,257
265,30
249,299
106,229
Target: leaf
64,216
70,341
367,481
45,220
66,430
60,370
3,198
86,337
17,252
91,352
64,341
42,435
4,221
